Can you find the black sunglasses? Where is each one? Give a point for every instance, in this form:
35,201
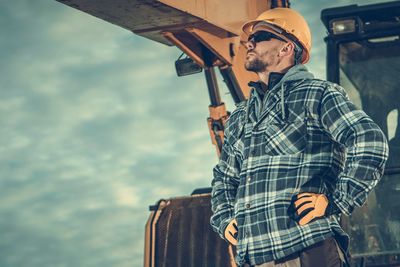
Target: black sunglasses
261,36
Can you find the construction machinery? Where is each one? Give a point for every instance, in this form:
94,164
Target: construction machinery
363,55
363,50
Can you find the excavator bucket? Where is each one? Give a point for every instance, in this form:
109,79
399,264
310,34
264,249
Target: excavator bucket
178,233
146,18
150,18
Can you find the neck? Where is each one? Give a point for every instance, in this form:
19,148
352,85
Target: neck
264,76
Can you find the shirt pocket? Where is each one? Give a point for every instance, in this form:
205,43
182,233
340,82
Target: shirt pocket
285,138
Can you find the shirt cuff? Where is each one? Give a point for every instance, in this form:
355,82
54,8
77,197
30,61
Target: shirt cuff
344,205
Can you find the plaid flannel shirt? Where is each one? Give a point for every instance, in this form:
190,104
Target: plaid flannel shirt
304,136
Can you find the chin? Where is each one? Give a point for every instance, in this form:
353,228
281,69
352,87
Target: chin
249,65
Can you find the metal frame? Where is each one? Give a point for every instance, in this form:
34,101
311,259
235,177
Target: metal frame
332,59
333,41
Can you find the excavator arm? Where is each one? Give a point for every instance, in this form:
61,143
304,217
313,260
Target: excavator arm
207,31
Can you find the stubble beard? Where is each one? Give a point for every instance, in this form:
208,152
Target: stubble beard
255,65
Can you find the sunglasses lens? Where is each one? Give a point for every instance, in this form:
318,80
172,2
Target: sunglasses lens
261,36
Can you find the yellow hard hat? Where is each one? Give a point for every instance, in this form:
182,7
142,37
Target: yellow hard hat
290,21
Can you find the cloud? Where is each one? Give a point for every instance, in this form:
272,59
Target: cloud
97,129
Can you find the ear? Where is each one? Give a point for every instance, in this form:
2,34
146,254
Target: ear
287,49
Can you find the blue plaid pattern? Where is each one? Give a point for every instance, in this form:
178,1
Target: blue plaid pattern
307,137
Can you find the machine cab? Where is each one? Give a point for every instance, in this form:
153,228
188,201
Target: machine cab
363,56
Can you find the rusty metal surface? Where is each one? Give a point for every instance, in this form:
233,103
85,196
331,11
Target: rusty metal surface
183,235
229,15
147,18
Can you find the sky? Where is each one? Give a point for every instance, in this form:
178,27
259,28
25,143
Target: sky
95,127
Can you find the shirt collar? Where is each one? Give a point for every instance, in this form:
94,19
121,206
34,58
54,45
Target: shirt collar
261,88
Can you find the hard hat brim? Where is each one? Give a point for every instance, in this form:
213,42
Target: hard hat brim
248,26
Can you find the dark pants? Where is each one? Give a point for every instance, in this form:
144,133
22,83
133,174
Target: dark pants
323,254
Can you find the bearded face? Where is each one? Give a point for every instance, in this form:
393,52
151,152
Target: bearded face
255,63
262,56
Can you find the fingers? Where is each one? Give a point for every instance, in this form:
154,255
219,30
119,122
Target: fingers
305,206
303,199
232,227
301,195
232,238
231,232
235,225
306,219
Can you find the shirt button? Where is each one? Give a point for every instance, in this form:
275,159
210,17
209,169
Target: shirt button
248,206
253,152
248,179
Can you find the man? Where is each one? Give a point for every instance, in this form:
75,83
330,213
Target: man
296,155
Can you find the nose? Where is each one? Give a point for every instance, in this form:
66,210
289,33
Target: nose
250,45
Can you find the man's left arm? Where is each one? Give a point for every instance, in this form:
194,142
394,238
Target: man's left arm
366,148
366,155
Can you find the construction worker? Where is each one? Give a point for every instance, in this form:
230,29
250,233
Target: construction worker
296,155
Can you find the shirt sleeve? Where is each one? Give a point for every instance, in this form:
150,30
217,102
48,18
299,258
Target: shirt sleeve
224,186
366,148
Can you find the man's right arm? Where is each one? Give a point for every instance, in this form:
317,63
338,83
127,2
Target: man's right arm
224,187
